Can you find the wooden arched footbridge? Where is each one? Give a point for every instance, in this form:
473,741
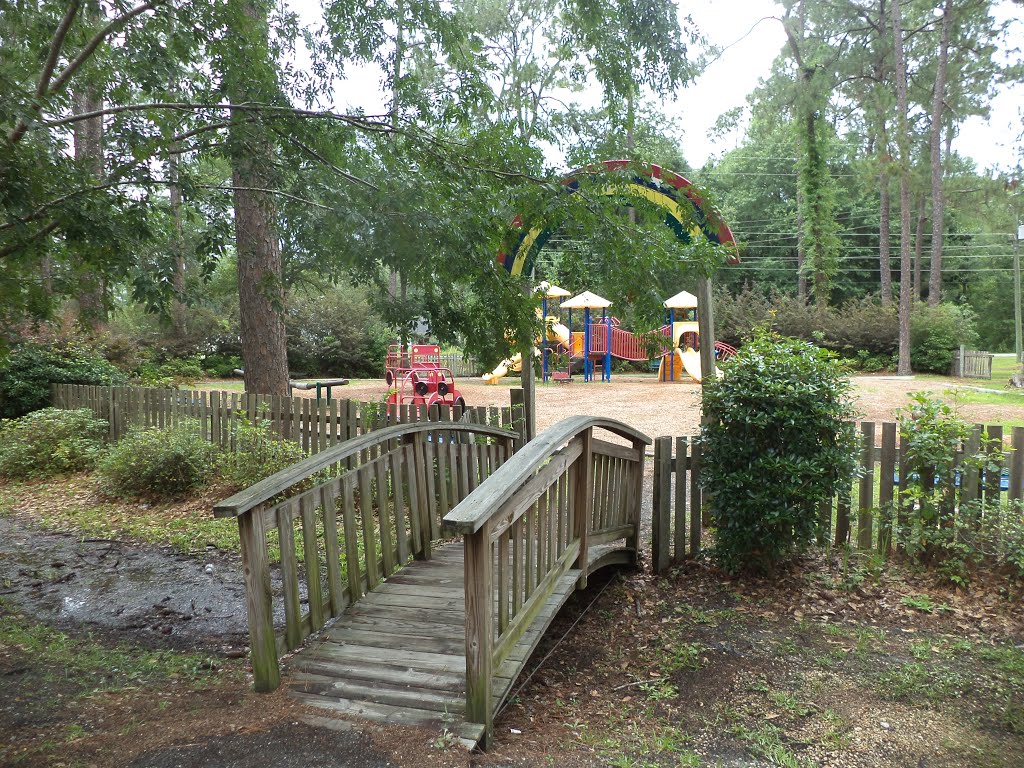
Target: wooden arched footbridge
423,629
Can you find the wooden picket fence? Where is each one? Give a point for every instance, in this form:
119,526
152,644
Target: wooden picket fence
861,516
313,425
460,368
972,364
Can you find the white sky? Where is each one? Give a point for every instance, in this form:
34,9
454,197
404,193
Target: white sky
752,42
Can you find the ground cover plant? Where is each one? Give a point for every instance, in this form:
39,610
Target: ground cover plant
50,442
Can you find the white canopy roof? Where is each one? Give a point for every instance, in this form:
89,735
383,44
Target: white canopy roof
682,300
586,300
550,291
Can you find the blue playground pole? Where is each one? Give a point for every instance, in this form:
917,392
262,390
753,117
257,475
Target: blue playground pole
671,330
544,336
588,365
606,374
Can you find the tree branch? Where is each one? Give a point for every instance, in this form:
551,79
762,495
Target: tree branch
98,38
51,64
13,247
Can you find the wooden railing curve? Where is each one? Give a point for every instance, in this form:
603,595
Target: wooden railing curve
528,533
363,509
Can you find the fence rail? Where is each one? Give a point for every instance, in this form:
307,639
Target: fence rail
972,364
862,515
314,425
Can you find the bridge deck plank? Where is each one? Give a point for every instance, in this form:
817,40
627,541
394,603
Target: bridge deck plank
398,655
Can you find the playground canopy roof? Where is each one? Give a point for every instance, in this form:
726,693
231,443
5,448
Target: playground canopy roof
682,300
550,291
586,300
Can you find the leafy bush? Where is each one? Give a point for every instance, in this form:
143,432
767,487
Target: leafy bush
335,334
857,327
936,334
31,367
172,373
161,463
940,526
221,366
258,453
778,443
50,442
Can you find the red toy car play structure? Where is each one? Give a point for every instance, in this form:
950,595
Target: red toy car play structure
414,375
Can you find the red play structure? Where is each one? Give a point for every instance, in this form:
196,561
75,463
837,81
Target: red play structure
414,375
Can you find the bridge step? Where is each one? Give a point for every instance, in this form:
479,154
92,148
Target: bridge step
398,655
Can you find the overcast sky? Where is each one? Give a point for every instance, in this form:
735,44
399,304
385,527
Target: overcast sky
751,40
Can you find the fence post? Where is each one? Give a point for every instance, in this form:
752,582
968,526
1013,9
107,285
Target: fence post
583,502
867,482
661,523
479,630
256,571
517,397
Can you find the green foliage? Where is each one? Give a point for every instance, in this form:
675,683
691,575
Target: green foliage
172,373
256,453
221,366
31,367
779,442
50,442
335,333
942,525
936,334
857,328
158,463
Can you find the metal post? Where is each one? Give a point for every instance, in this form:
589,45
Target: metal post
606,374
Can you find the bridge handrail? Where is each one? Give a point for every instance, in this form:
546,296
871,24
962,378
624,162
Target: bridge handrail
278,483
356,512
484,503
531,522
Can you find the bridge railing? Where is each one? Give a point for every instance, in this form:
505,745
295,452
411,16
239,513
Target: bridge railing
341,521
528,525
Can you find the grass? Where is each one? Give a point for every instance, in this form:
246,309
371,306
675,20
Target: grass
90,667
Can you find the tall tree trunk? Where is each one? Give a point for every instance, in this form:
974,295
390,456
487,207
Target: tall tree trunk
903,142
88,136
260,273
884,234
916,287
938,200
179,310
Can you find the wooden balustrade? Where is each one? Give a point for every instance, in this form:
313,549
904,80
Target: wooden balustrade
531,532
341,521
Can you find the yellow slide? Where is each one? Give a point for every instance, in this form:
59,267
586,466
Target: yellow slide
558,332
688,360
510,365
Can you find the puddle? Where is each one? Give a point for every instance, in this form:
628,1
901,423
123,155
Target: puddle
150,593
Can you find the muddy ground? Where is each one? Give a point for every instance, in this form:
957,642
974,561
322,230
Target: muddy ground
827,666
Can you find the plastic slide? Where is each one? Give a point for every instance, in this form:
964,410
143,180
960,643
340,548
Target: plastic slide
558,332
688,360
509,365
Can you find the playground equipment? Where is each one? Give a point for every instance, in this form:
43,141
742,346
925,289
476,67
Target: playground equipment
685,336
414,375
556,333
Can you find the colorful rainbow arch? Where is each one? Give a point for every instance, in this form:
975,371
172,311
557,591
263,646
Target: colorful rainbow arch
664,188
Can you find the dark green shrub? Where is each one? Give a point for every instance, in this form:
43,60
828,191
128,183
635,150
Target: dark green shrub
858,326
335,334
158,463
258,453
29,370
50,442
936,334
779,442
221,366
171,373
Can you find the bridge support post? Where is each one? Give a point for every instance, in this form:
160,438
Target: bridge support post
479,631
256,569
583,502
